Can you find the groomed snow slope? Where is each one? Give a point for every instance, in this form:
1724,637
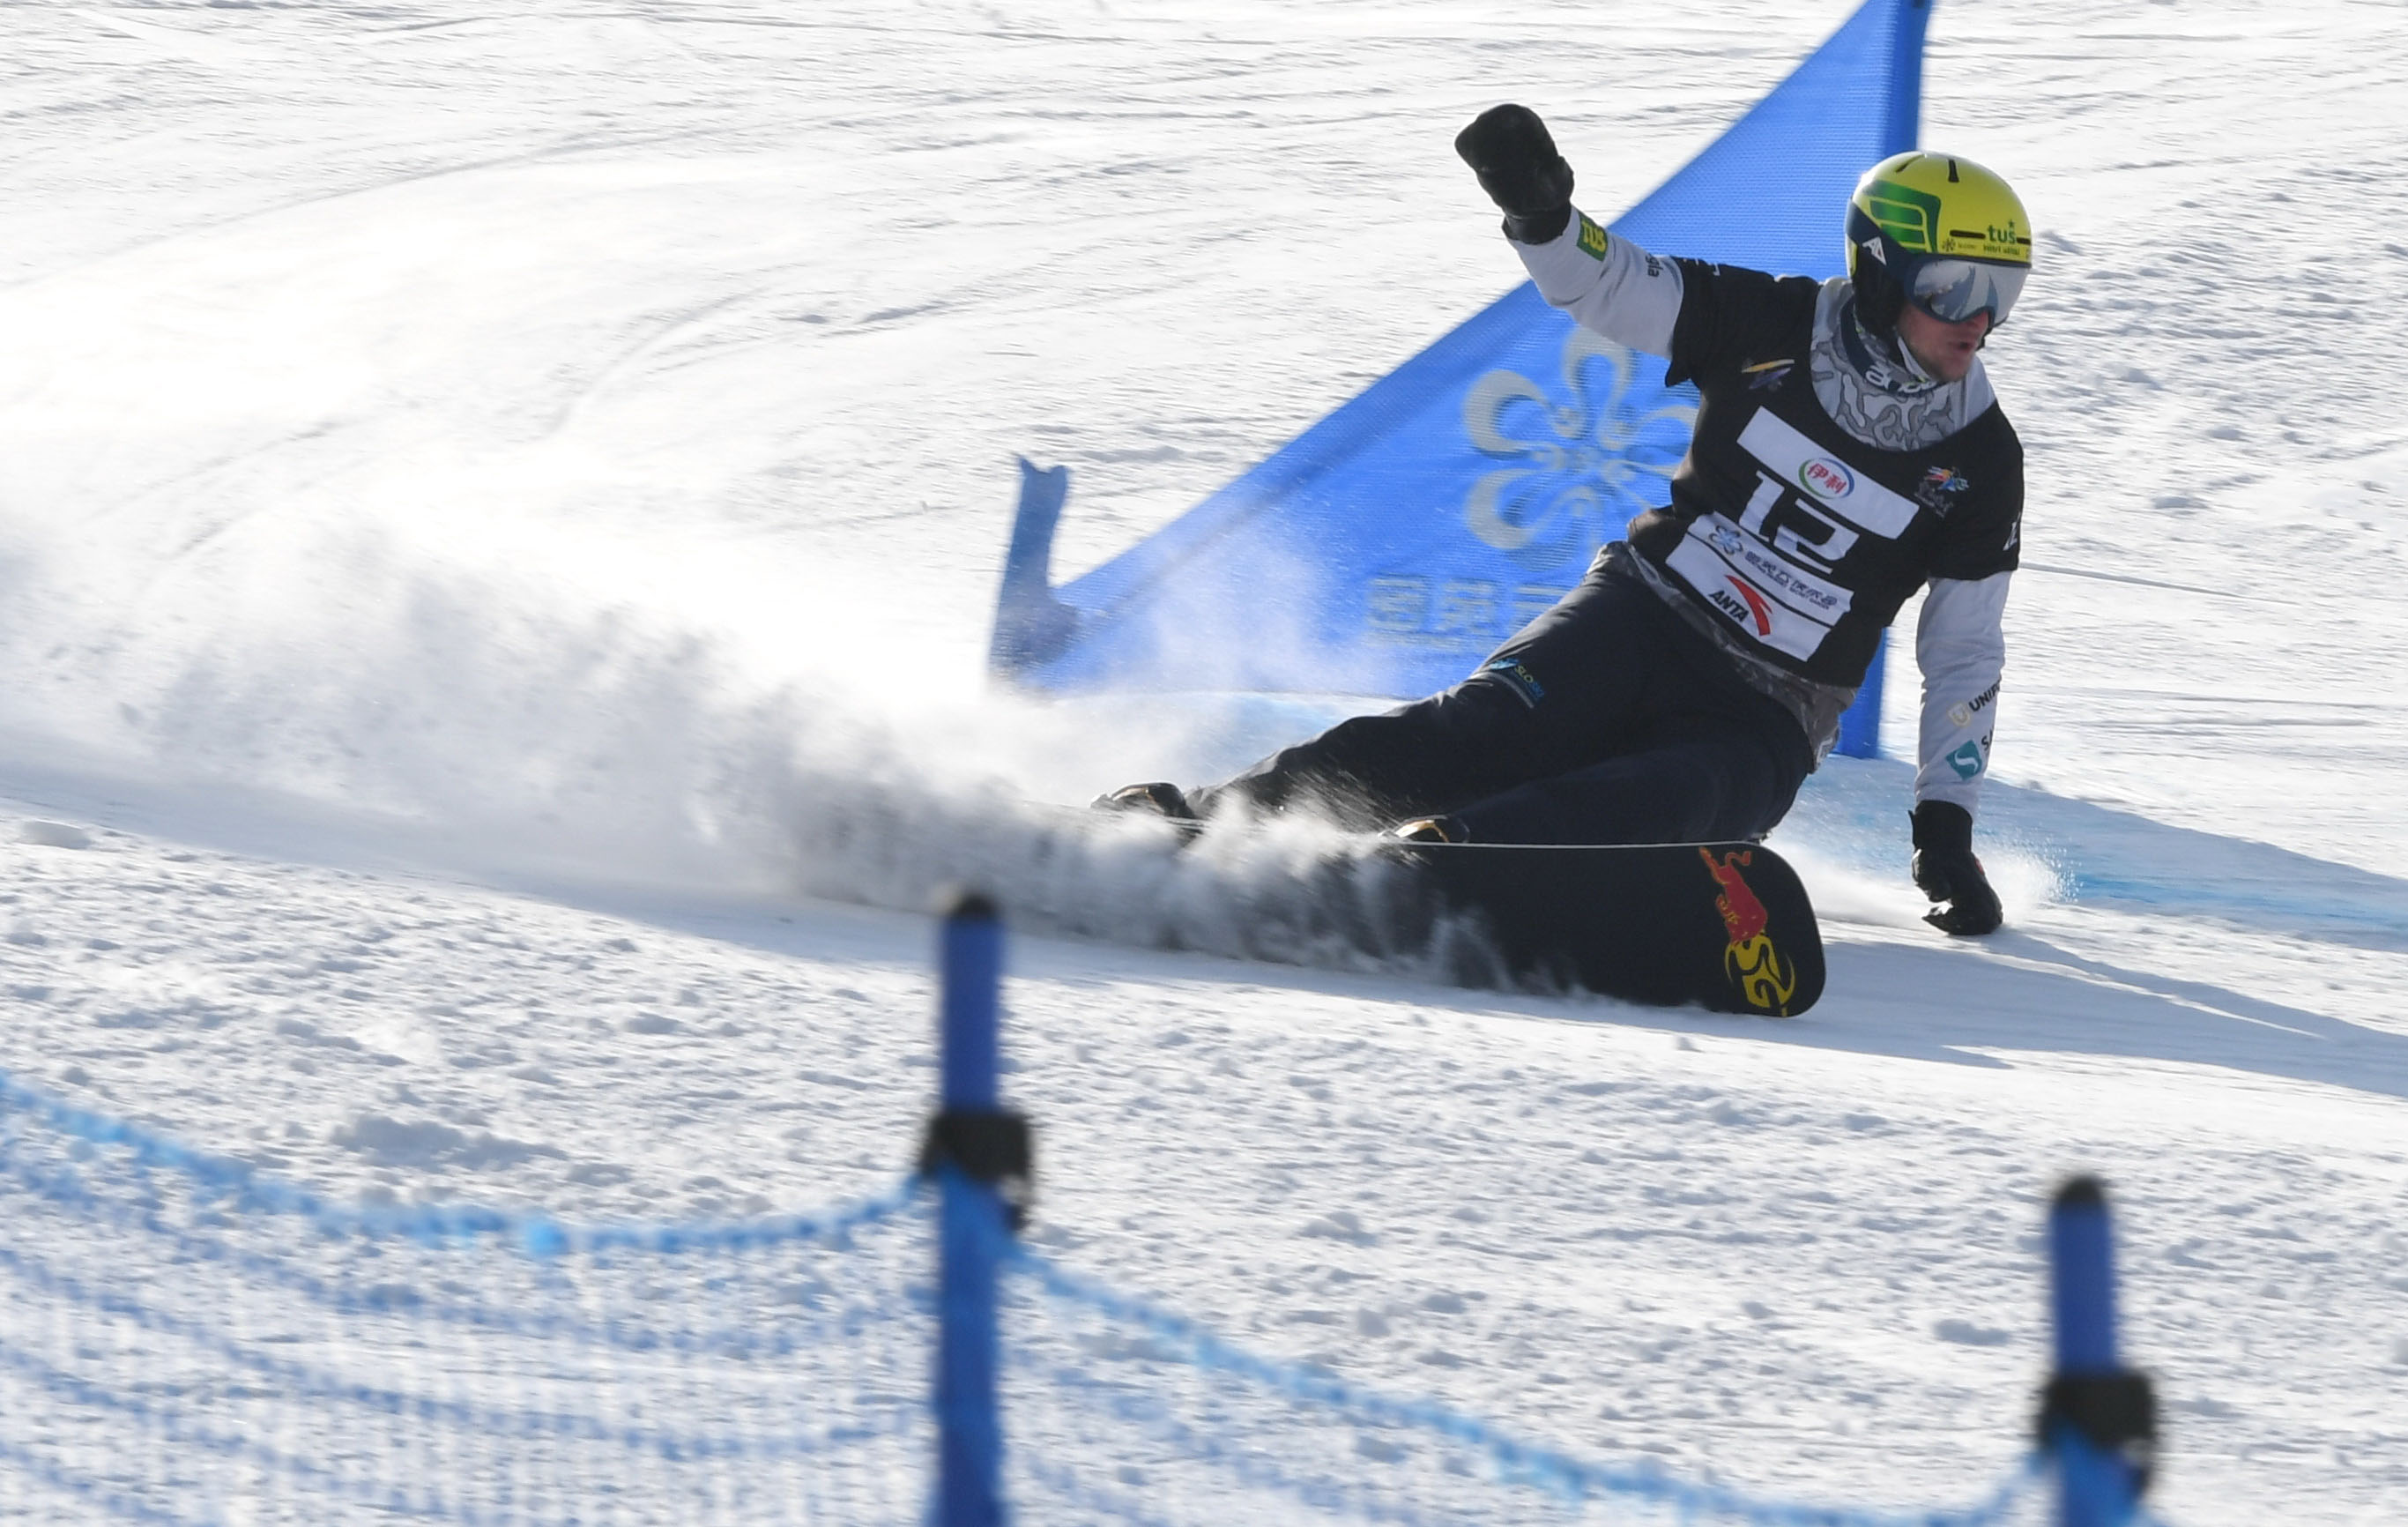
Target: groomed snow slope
492,503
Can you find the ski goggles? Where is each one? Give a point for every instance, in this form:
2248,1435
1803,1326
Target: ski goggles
1953,291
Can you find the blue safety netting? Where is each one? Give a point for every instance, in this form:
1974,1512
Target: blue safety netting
184,1340
1393,544
1119,1410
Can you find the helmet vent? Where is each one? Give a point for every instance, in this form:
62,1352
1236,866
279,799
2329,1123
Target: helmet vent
1951,172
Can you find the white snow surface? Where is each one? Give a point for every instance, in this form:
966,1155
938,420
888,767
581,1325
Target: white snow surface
499,513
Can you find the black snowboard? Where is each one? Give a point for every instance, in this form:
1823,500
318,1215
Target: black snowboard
1726,926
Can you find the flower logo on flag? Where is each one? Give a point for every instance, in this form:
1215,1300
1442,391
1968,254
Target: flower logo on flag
1579,470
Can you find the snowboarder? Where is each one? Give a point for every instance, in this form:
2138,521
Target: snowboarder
1848,451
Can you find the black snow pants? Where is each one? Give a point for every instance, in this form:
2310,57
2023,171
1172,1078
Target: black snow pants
1607,720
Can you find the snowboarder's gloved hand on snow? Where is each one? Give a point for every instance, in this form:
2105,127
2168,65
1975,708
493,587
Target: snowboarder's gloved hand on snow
1946,869
1508,147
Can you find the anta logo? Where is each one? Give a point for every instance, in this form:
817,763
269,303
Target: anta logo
1748,957
1747,605
1827,478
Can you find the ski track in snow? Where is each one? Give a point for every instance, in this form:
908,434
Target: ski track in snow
495,502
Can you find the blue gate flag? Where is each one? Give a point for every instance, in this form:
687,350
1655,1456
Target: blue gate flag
1391,546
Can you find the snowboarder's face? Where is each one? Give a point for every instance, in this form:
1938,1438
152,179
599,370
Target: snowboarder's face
1944,351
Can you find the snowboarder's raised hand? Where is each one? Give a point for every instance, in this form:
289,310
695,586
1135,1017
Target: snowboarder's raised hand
1509,148
1948,871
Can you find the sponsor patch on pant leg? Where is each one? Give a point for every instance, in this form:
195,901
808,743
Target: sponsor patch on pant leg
1519,678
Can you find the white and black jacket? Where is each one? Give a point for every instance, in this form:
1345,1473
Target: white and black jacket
1825,484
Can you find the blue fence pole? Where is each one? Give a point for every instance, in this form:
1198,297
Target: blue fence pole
972,1219
1031,625
1861,723
2098,1418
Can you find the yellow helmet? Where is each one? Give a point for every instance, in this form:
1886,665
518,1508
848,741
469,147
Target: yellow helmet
1938,231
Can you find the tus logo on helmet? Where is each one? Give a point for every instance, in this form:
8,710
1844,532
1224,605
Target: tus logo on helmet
1827,478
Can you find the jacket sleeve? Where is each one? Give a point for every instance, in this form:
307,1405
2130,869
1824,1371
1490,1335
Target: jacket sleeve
1609,284
1961,646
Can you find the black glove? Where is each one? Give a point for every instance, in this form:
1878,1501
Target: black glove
1508,149
1945,867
